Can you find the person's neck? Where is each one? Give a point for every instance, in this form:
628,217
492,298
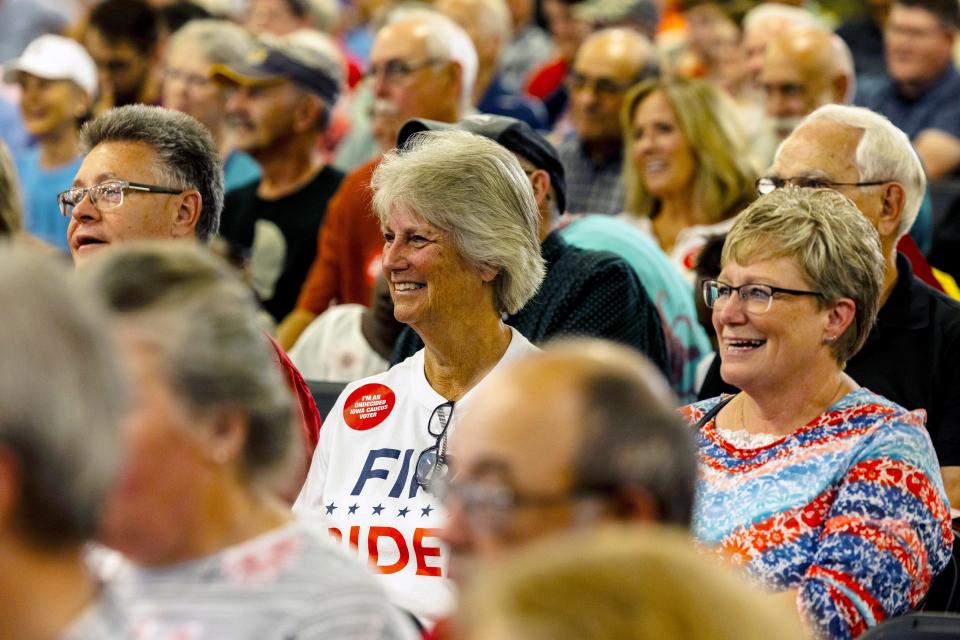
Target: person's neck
784,408
890,275
58,580
454,363
485,73
236,513
603,152
914,89
286,169
59,147
676,213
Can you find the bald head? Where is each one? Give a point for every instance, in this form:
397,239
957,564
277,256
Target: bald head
607,64
804,68
765,22
582,423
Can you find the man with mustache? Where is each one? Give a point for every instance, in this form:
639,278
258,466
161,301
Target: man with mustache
422,65
279,101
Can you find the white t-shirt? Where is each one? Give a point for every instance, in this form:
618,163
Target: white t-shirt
291,582
332,347
362,480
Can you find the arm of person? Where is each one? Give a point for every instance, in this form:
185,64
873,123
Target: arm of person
951,482
886,535
939,151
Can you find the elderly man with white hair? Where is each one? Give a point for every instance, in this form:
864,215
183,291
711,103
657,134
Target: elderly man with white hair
912,352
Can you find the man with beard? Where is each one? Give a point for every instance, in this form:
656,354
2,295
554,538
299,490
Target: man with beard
279,100
422,65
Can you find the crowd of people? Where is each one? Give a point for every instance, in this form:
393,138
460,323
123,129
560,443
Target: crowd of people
640,317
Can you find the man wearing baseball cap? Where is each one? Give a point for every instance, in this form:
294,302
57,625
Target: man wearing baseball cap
279,101
585,292
58,84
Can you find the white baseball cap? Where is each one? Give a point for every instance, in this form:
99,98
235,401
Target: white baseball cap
55,57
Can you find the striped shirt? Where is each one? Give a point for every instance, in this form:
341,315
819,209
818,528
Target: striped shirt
293,582
849,509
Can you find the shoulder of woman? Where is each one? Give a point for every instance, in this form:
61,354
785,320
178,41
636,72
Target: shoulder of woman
695,411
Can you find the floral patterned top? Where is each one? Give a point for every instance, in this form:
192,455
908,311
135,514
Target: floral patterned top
849,509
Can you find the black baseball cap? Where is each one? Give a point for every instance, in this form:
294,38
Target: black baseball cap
268,65
515,135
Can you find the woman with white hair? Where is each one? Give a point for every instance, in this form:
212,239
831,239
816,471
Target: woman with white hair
461,249
58,84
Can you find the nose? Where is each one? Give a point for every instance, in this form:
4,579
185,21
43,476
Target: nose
733,312
455,531
380,84
393,258
84,210
776,105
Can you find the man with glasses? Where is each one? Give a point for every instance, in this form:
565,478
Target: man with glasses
148,172
582,433
608,63
920,95
421,65
911,355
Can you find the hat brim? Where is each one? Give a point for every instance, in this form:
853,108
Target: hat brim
244,76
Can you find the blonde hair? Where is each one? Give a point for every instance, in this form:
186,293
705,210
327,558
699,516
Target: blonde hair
833,244
630,582
724,181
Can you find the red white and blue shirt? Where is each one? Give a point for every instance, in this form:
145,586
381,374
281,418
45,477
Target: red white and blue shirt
849,509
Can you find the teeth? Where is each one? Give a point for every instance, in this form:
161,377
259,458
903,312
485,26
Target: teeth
745,344
407,286
656,165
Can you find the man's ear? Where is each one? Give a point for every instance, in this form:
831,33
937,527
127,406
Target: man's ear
454,77
224,437
839,87
187,214
9,486
540,181
894,199
305,115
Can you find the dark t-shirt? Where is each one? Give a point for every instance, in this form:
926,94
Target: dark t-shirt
912,356
297,217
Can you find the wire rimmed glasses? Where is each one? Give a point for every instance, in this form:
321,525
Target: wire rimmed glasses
758,298
106,195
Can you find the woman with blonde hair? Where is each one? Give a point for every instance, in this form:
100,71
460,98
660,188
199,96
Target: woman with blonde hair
688,171
626,582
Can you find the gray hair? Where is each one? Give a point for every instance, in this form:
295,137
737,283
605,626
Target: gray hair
883,153
832,243
11,202
63,398
475,189
445,40
633,436
221,41
203,320
186,154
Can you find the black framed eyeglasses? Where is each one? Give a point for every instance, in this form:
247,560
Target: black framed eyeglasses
394,70
432,468
601,86
757,298
771,183
106,195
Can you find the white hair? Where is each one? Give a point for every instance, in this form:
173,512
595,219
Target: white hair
446,40
776,12
476,190
883,153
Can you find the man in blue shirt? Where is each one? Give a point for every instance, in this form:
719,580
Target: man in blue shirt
920,94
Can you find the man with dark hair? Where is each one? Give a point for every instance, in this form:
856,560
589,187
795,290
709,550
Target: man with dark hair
585,292
920,95
580,433
279,101
121,37
148,172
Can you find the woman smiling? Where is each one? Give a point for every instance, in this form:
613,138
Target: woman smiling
816,484
461,249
